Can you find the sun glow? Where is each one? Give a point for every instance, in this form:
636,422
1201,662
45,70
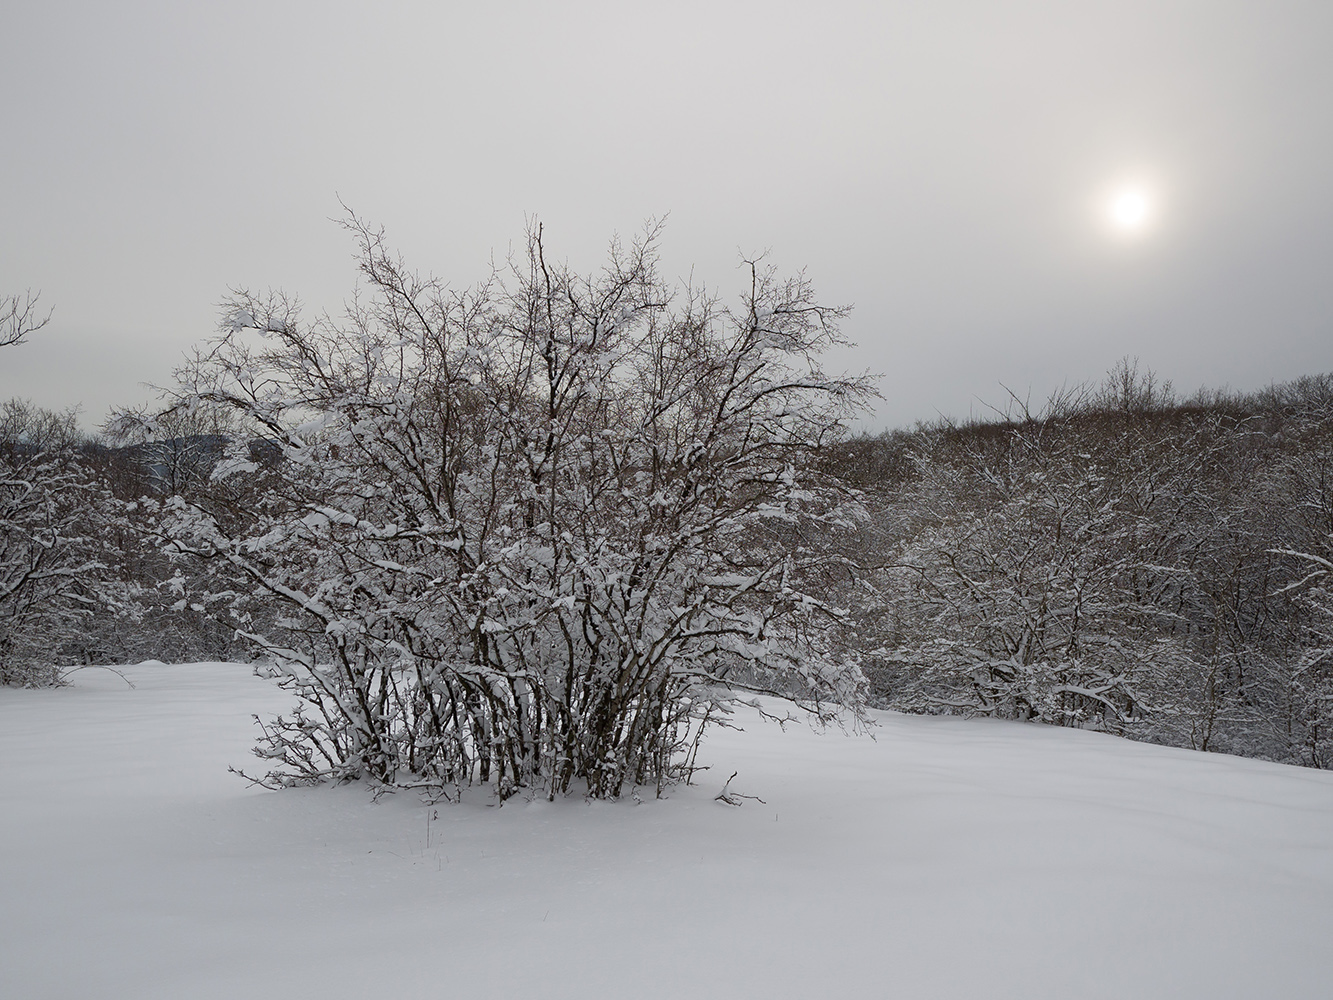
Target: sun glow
1129,210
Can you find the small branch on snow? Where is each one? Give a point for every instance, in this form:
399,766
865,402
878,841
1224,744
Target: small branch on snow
261,782
731,798
95,666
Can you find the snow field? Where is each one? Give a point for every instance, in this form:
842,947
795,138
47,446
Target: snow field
943,858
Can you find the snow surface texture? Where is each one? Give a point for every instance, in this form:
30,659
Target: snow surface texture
945,858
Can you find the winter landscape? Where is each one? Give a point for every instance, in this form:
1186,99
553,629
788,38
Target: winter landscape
925,857
715,500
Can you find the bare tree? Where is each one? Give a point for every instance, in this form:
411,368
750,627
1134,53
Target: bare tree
19,317
1127,390
172,453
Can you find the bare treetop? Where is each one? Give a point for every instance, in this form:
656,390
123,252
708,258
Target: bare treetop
19,316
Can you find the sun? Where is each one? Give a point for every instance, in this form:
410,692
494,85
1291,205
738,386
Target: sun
1129,210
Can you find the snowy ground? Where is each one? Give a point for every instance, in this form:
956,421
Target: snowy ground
942,859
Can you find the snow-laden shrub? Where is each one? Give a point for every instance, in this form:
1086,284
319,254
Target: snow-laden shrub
1050,578
537,534
55,514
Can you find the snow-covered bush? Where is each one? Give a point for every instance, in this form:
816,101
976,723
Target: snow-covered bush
1015,576
54,517
537,534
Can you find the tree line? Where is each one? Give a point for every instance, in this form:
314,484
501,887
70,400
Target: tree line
1122,560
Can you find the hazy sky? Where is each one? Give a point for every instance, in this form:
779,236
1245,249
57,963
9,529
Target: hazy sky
944,166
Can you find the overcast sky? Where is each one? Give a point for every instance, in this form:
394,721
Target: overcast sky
946,167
